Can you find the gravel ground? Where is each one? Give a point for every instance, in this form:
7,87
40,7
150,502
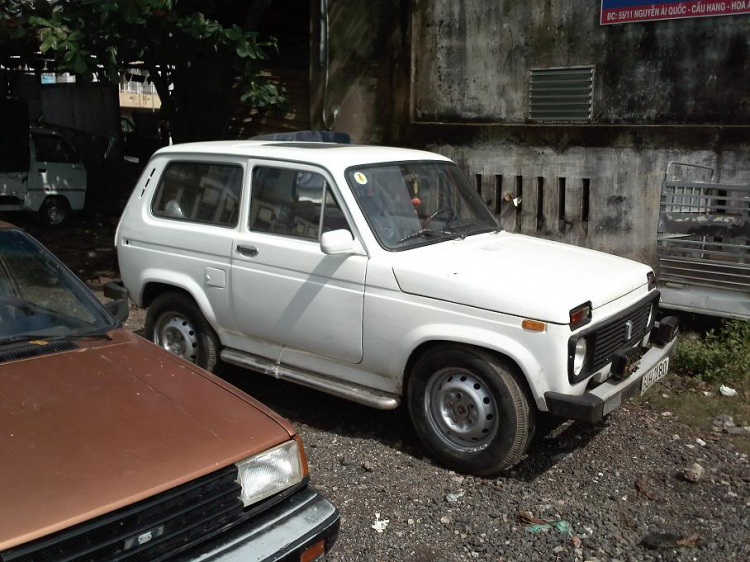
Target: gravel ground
614,483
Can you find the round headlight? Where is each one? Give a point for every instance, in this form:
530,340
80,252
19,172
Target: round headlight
580,356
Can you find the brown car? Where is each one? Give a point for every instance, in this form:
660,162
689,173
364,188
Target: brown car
114,449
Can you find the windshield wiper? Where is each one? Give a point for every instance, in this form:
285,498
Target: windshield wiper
99,333
430,232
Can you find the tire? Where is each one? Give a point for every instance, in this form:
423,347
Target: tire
54,211
175,323
447,386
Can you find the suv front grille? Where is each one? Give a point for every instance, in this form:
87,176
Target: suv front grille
175,520
610,337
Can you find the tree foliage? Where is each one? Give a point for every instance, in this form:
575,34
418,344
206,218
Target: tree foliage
196,52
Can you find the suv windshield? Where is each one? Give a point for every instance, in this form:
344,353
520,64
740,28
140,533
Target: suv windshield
410,204
40,298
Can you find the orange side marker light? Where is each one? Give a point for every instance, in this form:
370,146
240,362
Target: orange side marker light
533,325
313,552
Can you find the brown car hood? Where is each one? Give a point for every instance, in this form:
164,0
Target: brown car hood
89,431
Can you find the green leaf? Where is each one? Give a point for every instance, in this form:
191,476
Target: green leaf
75,35
79,64
39,22
233,33
243,49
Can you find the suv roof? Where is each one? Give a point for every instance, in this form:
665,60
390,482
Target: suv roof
333,156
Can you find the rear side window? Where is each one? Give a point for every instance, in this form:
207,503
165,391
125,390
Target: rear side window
201,192
51,148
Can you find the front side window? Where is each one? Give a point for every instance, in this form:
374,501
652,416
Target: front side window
293,203
200,192
52,148
39,298
410,204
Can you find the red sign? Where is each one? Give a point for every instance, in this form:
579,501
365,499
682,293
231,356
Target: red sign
628,11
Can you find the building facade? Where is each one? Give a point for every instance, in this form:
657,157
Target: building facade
541,101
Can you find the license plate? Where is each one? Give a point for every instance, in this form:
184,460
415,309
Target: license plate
654,374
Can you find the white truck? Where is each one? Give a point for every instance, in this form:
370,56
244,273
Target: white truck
49,179
379,275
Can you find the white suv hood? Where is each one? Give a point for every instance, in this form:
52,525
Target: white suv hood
518,275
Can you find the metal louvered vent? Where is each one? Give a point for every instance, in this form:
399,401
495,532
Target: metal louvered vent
561,94
33,350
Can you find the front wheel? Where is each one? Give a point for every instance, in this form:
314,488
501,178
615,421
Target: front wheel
470,410
175,323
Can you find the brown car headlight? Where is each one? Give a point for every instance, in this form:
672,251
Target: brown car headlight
270,472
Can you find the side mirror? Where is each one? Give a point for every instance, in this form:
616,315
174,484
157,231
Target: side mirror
337,242
118,307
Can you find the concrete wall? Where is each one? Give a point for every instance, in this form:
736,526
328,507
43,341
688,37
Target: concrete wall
622,197
368,76
453,77
471,62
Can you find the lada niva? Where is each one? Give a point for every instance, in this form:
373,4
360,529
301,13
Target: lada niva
379,275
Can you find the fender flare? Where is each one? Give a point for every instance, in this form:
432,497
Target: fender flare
530,368
178,281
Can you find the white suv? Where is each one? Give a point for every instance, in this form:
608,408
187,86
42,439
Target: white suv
379,275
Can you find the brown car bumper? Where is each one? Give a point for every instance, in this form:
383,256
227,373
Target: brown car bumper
306,522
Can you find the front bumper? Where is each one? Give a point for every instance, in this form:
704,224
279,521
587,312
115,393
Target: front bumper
280,534
593,405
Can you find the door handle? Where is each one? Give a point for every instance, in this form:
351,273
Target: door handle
250,251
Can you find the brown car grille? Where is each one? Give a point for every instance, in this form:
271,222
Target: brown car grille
165,524
613,336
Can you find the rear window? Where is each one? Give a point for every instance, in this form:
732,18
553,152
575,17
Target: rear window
202,192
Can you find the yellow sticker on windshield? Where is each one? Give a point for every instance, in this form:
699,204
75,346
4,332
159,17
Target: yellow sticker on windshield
360,178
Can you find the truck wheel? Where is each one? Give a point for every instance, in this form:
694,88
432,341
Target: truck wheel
470,410
175,323
54,211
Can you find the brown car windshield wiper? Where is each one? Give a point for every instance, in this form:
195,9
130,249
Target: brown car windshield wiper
18,338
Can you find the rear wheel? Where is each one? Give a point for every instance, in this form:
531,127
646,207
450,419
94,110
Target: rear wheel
175,323
54,211
470,409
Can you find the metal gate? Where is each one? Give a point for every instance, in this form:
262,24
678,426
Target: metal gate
703,246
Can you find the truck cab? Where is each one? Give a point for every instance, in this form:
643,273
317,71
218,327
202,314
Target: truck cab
52,183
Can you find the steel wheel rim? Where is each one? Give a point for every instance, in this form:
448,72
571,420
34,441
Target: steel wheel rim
55,215
461,410
177,335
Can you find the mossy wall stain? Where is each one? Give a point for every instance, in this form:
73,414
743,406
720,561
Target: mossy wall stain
474,66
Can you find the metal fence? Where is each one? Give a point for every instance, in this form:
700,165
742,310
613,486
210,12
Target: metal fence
703,247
